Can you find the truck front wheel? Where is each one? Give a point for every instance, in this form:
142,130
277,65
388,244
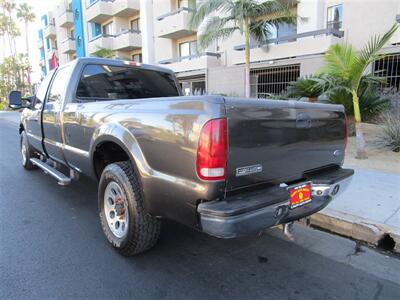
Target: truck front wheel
124,220
26,152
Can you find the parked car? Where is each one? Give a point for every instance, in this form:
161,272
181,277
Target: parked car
226,166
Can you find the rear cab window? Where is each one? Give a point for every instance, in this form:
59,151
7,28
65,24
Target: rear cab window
109,82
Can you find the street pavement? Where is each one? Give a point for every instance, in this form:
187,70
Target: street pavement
52,246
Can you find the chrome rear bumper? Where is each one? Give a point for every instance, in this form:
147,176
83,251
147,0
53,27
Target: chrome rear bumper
252,212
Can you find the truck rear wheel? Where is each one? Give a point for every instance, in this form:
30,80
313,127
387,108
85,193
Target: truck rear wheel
124,220
26,152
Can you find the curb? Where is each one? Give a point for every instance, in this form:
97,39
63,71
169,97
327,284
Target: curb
355,227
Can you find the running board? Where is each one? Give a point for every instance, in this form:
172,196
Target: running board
62,179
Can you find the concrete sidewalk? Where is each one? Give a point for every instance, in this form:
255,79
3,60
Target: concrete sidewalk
368,211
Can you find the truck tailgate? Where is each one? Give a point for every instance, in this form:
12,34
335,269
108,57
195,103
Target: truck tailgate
278,141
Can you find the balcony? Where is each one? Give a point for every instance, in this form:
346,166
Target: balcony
99,11
65,19
50,31
125,8
174,25
102,41
127,41
200,61
67,46
307,43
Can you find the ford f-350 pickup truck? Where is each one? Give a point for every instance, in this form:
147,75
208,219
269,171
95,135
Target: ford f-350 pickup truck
226,166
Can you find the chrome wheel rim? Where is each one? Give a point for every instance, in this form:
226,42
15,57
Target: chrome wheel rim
116,209
23,152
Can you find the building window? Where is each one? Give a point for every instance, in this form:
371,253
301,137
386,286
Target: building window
108,29
195,86
272,81
389,68
47,44
41,53
72,34
137,57
283,30
96,29
335,17
188,49
191,4
135,24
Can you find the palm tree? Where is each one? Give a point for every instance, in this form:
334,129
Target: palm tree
252,18
25,14
342,61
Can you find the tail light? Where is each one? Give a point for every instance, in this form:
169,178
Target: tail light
212,150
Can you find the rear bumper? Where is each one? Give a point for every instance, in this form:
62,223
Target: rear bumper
248,213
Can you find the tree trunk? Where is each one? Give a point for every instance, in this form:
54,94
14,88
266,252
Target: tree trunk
360,141
247,58
312,99
27,54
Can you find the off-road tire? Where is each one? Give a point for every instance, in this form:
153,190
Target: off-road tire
26,163
143,229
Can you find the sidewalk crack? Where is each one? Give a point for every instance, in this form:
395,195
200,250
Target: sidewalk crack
395,212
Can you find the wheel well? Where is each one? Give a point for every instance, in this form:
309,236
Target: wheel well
107,153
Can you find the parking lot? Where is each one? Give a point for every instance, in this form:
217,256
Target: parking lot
52,246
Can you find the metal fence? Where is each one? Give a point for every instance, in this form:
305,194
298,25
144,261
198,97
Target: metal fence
265,82
389,68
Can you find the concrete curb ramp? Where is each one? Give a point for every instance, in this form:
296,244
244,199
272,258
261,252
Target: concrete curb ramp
357,228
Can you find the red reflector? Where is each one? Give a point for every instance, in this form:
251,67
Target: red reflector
212,150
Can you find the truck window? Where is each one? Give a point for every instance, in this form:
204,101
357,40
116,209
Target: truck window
42,90
59,84
107,82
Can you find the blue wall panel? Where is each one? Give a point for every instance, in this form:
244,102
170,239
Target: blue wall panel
78,28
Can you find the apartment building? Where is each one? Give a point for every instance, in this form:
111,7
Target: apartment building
158,32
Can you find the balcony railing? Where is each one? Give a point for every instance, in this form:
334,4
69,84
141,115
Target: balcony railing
126,40
68,46
175,24
66,18
189,57
50,30
307,43
101,10
195,62
294,37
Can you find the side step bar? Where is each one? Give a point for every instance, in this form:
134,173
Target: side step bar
62,179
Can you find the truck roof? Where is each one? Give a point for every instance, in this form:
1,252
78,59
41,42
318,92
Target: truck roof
119,62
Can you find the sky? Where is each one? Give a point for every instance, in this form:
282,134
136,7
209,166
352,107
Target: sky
40,7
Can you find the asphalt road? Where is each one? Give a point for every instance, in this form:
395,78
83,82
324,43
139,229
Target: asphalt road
52,246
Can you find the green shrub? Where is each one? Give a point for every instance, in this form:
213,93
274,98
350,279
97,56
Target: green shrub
3,105
310,87
391,129
372,104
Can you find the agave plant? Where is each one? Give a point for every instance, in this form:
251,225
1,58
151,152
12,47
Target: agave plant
310,87
342,61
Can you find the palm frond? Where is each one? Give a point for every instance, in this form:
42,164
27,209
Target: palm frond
208,37
206,8
273,9
339,60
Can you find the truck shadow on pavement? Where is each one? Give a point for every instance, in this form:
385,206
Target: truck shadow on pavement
187,263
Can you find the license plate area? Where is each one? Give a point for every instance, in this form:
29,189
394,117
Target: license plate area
300,194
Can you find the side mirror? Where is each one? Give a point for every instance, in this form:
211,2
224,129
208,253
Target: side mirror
15,100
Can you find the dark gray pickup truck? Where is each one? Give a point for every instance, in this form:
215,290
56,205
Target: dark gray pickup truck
225,166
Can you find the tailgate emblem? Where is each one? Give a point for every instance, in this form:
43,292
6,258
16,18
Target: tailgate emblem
243,171
303,120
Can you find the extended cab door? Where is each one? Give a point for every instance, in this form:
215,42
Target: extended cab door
53,137
34,120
